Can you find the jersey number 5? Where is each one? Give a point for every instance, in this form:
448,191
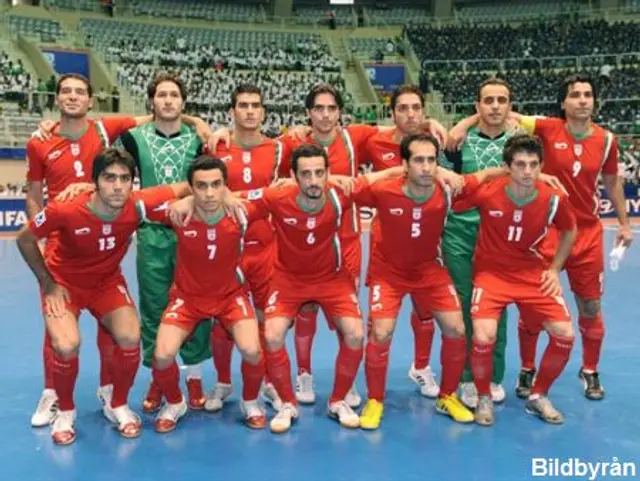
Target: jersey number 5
415,230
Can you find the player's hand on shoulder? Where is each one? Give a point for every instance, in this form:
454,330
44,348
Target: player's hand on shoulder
448,178
436,129
550,285
456,138
56,298
45,130
235,207
553,181
181,211
299,132
74,190
282,182
344,182
204,133
223,134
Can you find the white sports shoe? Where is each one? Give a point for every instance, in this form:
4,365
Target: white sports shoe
169,416
281,423
217,397
46,410
304,389
341,411
105,394
497,393
63,429
469,395
353,398
129,423
426,380
271,397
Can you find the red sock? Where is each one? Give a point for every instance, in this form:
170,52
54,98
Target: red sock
263,345
306,326
592,330
528,340
106,348
481,361
65,374
453,356
347,364
279,369
376,364
221,350
47,358
252,375
423,330
168,380
125,368
555,358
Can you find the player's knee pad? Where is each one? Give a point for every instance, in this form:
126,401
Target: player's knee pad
590,308
591,328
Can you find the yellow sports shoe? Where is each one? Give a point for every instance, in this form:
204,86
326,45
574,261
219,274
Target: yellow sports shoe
451,406
371,415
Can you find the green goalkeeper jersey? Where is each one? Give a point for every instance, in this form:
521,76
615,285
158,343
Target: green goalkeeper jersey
161,159
478,152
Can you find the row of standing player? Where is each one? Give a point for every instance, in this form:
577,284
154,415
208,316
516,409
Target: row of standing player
399,111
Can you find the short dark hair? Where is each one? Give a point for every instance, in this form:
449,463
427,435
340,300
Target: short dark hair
308,150
324,88
406,89
109,157
567,82
166,77
405,145
529,144
245,89
494,81
76,76
204,162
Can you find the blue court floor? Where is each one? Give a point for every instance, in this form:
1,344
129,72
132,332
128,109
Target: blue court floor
414,443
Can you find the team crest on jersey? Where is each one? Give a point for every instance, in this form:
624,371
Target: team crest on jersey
246,157
40,218
517,215
168,170
211,234
577,149
106,229
254,194
417,213
75,150
311,223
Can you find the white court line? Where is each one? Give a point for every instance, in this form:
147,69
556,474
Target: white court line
615,228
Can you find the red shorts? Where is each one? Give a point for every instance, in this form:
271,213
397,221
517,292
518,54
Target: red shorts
352,260
434,291
257,266
100,301
186,313
335,295
492,293
585,264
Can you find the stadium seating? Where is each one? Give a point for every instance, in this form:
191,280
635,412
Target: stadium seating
223,12
515,12
398,15
43,29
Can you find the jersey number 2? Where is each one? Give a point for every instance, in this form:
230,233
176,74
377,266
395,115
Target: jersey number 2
77,166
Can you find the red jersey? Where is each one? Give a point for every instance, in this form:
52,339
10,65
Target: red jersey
308,243
409,230
343,155
60,161
510,234
382,151
91,246
253,168
578,163
207,256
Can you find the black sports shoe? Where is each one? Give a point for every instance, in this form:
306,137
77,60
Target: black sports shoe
525,383
592,388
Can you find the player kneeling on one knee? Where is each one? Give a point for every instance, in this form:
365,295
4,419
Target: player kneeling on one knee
208,283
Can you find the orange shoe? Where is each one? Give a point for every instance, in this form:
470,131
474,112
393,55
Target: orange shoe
196,394
255,416
153,399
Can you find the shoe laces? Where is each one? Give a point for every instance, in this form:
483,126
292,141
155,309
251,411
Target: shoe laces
47,402
63,421
306,383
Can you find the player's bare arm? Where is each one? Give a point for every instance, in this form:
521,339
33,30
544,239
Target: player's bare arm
56,295
551,277
613,186
35,198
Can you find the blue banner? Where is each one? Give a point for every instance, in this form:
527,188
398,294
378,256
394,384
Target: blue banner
13,214
68,61
632,196
385,77
12,153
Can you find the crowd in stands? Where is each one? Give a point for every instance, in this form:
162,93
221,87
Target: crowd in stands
14,80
